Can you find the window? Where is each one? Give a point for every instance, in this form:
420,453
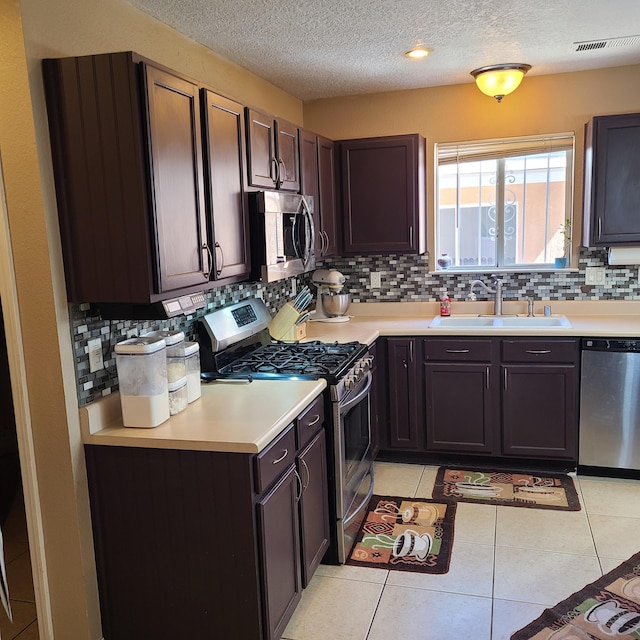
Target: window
504,203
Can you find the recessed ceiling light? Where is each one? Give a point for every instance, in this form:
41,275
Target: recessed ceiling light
417,53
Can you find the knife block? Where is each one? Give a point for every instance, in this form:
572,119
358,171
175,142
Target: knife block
296,333
284,323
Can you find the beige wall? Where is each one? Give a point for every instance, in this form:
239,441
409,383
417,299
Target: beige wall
544,104
32,30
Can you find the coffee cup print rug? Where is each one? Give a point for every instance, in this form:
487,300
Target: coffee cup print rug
606,609
507,488
405,534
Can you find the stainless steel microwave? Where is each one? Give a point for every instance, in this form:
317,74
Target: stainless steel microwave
282,235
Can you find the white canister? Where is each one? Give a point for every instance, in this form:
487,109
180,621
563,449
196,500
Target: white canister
177,396
176,368
192,362
142,378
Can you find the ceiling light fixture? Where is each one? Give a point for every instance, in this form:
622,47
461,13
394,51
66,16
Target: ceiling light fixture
417,53
499,80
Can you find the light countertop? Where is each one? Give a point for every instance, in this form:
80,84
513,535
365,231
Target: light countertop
612,319
231,417
245,418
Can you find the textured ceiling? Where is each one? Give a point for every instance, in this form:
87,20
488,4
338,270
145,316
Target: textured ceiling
325,48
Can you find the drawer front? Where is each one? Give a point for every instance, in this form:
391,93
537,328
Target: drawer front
275,459
458,349
310,422
539,350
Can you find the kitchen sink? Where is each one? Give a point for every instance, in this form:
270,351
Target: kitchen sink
499,322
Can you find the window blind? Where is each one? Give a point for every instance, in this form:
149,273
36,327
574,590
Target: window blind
453,153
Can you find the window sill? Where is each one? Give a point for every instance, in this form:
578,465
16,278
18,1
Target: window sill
458,271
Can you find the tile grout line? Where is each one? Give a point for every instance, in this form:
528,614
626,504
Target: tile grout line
493,576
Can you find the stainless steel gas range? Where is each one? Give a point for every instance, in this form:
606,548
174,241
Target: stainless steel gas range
236,347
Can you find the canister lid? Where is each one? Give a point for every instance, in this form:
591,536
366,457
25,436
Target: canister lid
171,337
141,345
190,348
177,384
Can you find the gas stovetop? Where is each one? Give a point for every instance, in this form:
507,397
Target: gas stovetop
235,344
315,359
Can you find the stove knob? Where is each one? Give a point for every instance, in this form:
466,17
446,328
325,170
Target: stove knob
349,382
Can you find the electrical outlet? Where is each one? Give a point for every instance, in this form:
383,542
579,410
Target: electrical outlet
595,275
95,355
294,287
376,279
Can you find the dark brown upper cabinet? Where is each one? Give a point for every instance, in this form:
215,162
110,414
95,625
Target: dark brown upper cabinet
328,202
383,195
317,179
272,152
612,181
224,138
126,144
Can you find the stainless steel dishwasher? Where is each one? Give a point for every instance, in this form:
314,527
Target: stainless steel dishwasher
610,403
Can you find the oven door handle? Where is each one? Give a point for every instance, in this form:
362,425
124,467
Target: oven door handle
364,501
354,401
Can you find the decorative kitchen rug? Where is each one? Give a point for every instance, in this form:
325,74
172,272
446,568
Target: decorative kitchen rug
607,608
405,534
510,488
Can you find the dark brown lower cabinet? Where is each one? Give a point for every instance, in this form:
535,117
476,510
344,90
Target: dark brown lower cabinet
460,407
403,401
539,411
280,553
314,516
510,397
203,544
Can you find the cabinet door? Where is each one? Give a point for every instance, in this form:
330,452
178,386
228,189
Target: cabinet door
612,180
309,181
383,195
229,221
288,156
403,401
539,411
261,150
314,505
329,224
460,407
176,167
279,540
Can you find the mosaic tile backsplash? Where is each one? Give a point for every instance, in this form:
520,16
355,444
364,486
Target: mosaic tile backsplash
404,278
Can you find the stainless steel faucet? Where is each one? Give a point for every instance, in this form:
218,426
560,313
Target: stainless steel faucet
497,304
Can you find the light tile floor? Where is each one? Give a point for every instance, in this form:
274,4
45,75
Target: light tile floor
19,577
507,565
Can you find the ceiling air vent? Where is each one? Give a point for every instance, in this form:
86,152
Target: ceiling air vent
609,43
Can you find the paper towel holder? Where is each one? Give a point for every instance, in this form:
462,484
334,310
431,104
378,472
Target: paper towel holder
623,256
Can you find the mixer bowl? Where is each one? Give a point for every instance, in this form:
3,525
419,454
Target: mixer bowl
335,304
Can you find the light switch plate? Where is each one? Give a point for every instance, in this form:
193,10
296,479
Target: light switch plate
595,275
95,355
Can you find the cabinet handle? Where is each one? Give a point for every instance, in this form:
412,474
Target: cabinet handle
505,379
317,419
300,486
219,271
411,351
325,239
306,468
488,372
538,352
209,269
599,228
282,457
411,236
273,163
283,175
322,245
457,350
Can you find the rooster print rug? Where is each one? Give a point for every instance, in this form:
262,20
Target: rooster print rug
405,534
